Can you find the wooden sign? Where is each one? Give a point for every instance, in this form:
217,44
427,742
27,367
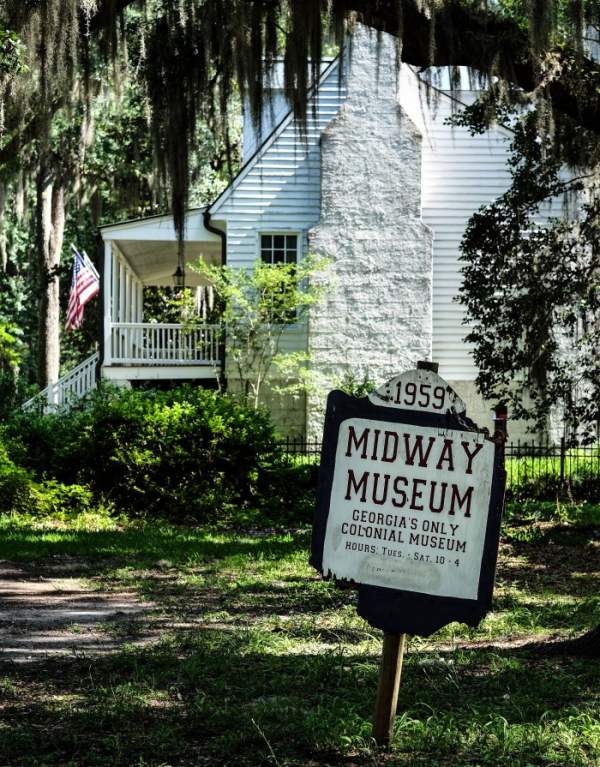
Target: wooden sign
409,505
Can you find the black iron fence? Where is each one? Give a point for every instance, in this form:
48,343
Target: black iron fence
534,470
539,470
301,451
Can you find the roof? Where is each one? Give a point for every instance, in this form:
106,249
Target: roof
142,219
331,63
262,148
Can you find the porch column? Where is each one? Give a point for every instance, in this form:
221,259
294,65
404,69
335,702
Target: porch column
121,313
115,286
135,342
134,299
108,300
127,295
140,314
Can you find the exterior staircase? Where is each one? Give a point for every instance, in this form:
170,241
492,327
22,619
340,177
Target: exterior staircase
71,387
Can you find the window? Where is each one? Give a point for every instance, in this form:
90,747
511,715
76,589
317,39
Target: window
279,248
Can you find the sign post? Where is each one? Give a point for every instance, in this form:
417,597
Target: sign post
388,687
408,508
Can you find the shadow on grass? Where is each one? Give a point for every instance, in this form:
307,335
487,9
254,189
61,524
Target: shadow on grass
549,566
142,545
574,584
254,600
551,614
219,698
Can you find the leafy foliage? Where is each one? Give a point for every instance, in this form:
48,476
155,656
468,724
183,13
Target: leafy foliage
15,485
9,349
11,353
531,291
258,306
194,54
356,385
21,493
88,134
11,53
185,453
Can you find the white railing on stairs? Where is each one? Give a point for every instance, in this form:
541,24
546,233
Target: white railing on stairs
71,387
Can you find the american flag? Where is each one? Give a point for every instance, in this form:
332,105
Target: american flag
84,286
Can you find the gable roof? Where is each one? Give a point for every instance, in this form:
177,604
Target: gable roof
141,220
268,142
159,228
421,121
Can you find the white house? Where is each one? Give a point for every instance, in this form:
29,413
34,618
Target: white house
379,183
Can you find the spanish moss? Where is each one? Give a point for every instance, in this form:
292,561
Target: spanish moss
194,55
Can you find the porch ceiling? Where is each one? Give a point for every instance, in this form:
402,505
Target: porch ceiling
155,262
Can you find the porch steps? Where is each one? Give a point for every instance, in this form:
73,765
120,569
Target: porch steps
71,387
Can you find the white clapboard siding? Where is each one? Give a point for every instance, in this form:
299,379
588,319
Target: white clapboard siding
272,115
275,110
280,189
460,173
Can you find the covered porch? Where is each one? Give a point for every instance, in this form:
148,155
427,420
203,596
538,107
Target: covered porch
144,253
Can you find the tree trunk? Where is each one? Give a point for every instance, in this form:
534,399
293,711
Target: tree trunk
3,254
50,231
585,646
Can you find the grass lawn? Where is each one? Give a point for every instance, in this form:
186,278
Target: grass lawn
256,661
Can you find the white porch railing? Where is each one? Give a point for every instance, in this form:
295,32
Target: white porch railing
148,343
72,386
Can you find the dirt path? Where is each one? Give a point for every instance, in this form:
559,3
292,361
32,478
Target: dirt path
47,612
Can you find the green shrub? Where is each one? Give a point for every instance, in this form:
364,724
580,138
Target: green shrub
17,491
20,493
351,383
290,491
184,453
557,512
57,499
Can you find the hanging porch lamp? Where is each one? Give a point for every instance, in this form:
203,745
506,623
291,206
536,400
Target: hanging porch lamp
179,277
179,273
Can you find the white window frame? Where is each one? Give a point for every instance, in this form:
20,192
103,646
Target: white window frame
278,233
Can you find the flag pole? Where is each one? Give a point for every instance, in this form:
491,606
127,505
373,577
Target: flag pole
88,261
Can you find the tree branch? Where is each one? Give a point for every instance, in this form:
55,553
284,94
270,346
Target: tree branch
482,40
9,152
107,11
458,35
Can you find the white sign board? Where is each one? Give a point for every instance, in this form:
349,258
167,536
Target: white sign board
409,504
409,507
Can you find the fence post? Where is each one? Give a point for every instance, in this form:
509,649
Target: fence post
500,423
562,461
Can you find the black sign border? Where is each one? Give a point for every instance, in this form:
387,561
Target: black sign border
395,610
